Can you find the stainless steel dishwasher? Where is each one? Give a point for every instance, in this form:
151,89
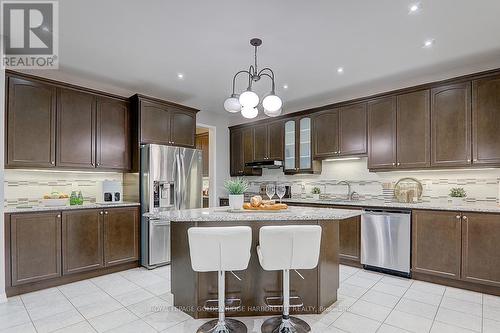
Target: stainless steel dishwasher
385,240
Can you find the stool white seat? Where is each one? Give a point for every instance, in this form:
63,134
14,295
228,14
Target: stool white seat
285,248
220,249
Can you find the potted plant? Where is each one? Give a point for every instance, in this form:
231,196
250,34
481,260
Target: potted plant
236,189
315,192
457,195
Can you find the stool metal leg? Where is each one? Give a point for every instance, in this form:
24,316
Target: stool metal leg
222,325
285,323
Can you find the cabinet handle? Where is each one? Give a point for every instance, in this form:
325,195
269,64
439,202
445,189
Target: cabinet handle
52,162
399,163
475,160
464,218
468,160
58,216
101,212
92,163
98,164
393,164
458,217
105,213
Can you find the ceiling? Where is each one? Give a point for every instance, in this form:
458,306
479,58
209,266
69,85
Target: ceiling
141,46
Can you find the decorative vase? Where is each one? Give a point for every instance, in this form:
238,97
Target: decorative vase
236,201
315,196
457,201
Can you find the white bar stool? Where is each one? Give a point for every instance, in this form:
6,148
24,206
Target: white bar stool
285,248
220,249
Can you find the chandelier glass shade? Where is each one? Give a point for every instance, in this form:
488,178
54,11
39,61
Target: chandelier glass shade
248,101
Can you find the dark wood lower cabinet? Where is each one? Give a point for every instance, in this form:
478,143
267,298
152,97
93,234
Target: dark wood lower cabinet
436,243
350,240
121,235
52,248
35,247
82,246
481,248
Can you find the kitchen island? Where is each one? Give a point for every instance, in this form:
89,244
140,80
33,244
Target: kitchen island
317,291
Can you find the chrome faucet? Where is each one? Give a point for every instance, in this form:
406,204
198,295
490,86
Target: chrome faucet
349,193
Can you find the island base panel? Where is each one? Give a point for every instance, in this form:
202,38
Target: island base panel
317,291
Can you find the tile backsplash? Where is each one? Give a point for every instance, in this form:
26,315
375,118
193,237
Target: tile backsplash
481,185
27,187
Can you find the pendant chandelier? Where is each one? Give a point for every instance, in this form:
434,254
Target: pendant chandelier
247,101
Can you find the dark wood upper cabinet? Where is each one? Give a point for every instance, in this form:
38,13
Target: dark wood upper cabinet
76,129
382,133
451,125
202,143
248,145
352,130
241,151
166,123
154,122
182,128
268,141
436,243
260,142
480,248
31,123
486,121
413,130
237,165
113,134
54,124
275,140
326,134
121,235
82,240
35,247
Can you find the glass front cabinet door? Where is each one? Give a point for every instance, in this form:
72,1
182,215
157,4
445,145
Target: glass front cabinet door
305,158
298,147
290,148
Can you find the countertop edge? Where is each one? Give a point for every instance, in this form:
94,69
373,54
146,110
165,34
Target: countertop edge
14,210
395,205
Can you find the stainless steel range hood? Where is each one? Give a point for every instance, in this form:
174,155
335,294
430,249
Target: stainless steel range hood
269,164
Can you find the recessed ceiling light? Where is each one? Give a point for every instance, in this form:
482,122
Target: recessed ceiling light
414,8
340,70
428,43
285,86
180,75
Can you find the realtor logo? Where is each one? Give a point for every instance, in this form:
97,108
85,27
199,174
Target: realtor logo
29,34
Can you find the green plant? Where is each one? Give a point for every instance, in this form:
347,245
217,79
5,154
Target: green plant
236,186
315,190
458,192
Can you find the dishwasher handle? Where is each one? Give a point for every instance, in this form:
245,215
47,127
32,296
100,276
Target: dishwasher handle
385,212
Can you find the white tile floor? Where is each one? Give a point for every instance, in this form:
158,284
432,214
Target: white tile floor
140,301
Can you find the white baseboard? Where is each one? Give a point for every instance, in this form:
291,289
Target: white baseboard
3,297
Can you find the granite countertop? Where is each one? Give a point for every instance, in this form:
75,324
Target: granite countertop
466,207
27,209
224,214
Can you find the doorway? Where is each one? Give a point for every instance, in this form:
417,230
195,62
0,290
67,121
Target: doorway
204,141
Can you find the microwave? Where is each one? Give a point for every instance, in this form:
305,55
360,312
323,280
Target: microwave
109,191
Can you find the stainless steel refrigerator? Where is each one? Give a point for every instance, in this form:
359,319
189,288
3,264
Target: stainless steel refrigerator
170,179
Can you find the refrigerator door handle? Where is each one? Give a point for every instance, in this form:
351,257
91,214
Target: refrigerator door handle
177,185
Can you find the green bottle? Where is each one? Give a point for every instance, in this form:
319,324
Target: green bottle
73,199
80,198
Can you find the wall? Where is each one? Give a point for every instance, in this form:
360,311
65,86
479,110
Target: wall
2,236
27,187
482,185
